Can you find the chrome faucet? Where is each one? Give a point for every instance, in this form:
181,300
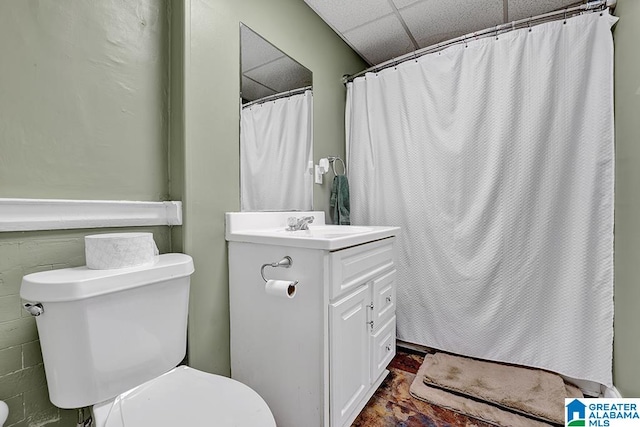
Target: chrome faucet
302,223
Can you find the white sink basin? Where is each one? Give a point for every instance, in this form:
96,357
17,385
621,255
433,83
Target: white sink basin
328,231
270,228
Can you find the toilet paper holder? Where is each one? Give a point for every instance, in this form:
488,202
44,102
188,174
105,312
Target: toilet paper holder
285,262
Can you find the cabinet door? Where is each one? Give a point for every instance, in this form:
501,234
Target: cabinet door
383,348
349,353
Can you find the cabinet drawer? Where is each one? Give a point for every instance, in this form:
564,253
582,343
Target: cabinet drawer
383,348
354,266
384,298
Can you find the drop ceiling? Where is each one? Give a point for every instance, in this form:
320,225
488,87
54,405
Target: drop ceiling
266,70
379,30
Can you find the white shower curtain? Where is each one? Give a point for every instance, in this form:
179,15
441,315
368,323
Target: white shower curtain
497,161
276,140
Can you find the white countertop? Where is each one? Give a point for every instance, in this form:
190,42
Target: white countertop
270,228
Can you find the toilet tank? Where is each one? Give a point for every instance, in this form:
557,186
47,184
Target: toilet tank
103,332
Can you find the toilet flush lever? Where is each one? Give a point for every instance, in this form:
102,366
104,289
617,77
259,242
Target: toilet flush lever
34,308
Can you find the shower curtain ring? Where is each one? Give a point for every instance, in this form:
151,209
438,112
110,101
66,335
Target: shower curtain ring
529,23
496,32
565,15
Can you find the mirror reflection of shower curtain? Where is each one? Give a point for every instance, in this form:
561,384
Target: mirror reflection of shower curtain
276,140
497,162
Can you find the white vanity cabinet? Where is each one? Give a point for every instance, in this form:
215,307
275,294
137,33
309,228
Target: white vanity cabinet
362,327
318,357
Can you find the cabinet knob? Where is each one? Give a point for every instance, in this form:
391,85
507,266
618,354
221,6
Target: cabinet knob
370,324
388,299
388,348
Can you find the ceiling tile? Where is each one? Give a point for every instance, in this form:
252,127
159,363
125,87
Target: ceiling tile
344,15
252,90
281,75
380,40
434,21
256,50
404,3
521,9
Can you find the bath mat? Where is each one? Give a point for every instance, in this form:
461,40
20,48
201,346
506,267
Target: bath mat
500,394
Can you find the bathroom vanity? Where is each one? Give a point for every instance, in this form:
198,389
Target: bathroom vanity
318,357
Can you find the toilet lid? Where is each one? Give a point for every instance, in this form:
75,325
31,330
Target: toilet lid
185,397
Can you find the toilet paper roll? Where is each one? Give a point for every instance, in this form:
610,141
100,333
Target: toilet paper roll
119,250
281,288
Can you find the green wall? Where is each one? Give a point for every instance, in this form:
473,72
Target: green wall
626,371
83,115
83,104
211,135
137,100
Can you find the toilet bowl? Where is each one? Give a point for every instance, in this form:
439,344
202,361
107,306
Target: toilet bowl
185,397
4,412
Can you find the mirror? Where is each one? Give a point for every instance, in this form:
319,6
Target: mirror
276,128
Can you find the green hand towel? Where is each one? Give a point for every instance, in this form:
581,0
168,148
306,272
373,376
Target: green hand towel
339,201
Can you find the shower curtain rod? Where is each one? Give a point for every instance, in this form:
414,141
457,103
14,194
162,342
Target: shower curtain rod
592,6
278,96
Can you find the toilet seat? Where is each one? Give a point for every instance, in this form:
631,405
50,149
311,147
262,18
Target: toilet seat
186,397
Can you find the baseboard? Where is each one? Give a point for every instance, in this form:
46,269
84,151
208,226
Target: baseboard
414,348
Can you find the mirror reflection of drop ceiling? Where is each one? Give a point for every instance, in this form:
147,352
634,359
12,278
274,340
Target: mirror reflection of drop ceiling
379,30
266,70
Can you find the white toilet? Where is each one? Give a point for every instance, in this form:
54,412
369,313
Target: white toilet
4,412
111,339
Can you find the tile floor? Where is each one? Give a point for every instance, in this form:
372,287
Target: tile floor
392,405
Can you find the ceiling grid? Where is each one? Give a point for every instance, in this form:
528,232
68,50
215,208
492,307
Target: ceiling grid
379,30
404,25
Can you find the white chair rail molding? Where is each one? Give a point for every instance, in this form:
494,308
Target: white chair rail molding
60,214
